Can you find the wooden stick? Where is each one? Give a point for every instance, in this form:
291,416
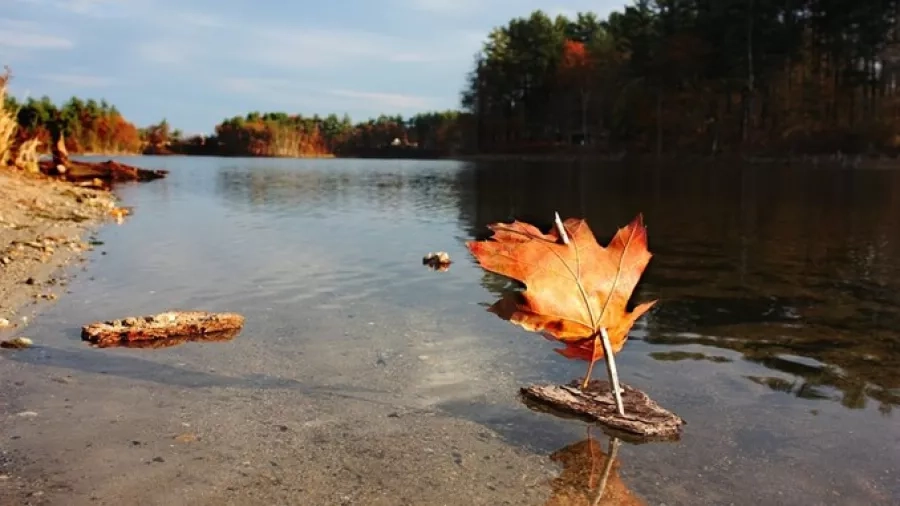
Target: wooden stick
611,371
610,459
562,230
607,346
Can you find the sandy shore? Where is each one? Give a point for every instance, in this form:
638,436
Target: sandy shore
43,227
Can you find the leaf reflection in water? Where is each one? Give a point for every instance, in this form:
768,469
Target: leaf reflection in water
590,476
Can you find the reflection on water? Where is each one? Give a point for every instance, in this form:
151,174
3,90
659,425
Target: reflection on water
779,304
764,261
590,476
210,337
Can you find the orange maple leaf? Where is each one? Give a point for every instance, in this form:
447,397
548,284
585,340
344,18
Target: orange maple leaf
572,291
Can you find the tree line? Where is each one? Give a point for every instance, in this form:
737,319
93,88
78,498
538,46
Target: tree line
701,76
87,126
659,76
294,135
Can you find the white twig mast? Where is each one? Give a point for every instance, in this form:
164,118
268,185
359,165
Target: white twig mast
611,370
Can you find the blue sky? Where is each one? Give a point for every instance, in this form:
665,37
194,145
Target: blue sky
196,62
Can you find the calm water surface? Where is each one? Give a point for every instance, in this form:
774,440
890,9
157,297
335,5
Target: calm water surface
776,335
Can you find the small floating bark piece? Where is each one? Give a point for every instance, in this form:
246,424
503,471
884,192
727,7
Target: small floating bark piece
164,326
643,418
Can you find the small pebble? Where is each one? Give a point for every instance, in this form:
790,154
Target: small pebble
4,323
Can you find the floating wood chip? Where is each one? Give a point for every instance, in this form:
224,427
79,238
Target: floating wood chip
439,261
176,326
644,418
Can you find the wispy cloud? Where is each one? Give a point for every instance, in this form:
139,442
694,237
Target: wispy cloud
289,92
307,48
255,85
451,7
93,8
169,52
387,101
77,80
28,35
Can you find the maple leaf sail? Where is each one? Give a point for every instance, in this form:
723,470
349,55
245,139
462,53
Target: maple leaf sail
574,291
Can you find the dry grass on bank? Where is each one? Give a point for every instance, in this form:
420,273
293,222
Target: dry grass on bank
24,156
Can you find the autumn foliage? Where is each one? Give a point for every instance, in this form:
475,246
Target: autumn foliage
693,76
572,290
582,481
577,61
87,125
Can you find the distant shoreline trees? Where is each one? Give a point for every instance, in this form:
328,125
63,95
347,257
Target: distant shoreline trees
698,76
660,76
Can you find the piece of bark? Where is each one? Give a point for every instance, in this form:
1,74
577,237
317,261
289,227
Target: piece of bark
644,418
164,326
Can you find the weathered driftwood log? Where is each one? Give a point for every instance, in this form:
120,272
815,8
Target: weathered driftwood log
60,153
108,171
644,418
163,326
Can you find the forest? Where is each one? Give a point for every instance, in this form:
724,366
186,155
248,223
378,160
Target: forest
698,76
781,77
87,126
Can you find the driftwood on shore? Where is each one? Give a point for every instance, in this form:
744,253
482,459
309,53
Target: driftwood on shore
644,418
76,171
107,171
169,326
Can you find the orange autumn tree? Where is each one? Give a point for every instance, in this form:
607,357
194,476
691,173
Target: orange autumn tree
577,69
576,290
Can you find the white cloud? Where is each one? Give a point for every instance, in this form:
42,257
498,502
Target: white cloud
92,8
305,48
28,35
446,7
77,80
255,85
385,100
294,93
166,52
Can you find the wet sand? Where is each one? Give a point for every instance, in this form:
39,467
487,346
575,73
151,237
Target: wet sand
169,427
43,224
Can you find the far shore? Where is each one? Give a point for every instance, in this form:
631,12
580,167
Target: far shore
874,161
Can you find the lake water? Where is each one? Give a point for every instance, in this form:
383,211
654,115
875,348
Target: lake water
775,336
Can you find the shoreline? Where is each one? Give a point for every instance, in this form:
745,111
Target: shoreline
817,161
821,160
46,225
